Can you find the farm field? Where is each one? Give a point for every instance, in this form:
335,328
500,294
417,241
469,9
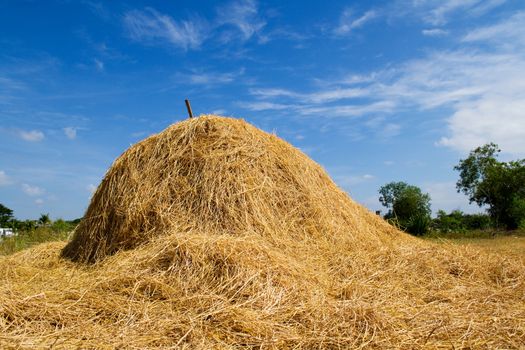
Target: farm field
511,245
215,235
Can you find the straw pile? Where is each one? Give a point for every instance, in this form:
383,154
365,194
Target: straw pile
214,234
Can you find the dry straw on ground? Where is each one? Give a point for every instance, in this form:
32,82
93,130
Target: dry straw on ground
214,234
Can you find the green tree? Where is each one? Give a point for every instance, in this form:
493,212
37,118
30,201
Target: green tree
498,185
44,219
6,215
408,206
452,222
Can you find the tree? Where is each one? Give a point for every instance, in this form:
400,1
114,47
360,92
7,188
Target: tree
6,215
44,219
407,205
499,185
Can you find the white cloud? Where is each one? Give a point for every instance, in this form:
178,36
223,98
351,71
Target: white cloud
349,22
490,119
39,201
210,78
486,92
32,190
219,112
32,136
480,87
483,87
508,31
347,181
348,110
152,27
4,179
262,106
268,93
242,15
318,97
434,32
99,65
440,12
484,7
70,132
91,188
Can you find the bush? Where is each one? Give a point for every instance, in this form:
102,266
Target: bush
452,222
477,221
457,221
60,225
418,224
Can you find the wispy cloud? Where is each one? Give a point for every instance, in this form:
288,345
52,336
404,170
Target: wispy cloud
510,30
199,77
441,12
99,65
152,27
349,181
4,179
243,15
238,20
32,190
263,106
97,8
329,102
70,132
483,85
318,97
479,88
10,89
31,136
348,21
434,32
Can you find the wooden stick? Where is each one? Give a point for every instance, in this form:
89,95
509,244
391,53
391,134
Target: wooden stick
188,106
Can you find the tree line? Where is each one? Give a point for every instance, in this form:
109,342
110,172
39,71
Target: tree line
486,181
7,220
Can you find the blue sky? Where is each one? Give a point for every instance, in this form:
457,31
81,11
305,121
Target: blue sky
375,91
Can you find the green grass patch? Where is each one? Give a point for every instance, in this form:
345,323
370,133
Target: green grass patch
26,239
475,234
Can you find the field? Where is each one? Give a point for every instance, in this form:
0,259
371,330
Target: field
512,246
509,244
216,235
411,297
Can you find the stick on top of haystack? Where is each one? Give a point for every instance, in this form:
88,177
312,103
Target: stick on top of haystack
188,106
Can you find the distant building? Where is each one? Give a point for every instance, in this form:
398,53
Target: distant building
6,232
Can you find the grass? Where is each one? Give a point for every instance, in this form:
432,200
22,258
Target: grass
509,243
26,239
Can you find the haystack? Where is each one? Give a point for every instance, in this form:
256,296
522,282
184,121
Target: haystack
217,175
241,241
